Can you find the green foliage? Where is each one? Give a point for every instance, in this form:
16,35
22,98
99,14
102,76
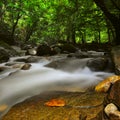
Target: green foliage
54,20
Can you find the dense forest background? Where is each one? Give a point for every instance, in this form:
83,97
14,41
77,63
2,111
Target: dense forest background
52,21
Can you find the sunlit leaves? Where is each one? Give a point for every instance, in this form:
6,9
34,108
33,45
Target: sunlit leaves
54,19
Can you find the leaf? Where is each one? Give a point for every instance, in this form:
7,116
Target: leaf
106,83
3,107
55,102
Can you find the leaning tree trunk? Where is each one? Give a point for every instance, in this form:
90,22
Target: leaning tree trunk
115,21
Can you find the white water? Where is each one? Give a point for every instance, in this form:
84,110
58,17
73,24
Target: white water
23,84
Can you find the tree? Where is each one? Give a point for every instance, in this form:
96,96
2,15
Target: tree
113,16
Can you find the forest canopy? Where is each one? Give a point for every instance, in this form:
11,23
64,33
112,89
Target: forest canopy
51,21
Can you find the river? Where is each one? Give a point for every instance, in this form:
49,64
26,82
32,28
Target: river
22,84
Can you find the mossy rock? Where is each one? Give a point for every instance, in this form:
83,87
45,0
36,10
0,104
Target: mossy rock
8,49
4,56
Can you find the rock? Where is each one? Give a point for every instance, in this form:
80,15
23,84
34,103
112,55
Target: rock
33,59
8,49
31,51
68,64
34,108
4,56
79,55
106,84
114,94
98,64
68,48
21,60
116,58
26,66
45,50
111,109
18,65
57,49
22,66
2,68
18,49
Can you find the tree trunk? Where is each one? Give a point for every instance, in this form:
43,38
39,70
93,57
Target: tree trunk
115,21
30,31
99,36
15,24
73,35
109,36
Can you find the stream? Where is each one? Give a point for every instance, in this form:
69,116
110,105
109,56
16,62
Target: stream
22,84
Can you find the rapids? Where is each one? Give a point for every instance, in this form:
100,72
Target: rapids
22,84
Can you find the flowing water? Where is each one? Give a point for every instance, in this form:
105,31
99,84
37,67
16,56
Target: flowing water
23,84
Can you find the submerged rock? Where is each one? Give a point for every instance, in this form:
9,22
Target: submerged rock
34,108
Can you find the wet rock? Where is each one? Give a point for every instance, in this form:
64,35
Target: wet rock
26,66
18,65
86,54
68,64
97,64
4,56
33,59
31,51
106,84
22,66
8,49
21,60
68,48
112,111
2,68
99,116
116,58
114,94
34,108
79,55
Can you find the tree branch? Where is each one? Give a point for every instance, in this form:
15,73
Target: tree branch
110,16
117,7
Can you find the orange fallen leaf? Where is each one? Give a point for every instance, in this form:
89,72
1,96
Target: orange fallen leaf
3,107
55,102
105,84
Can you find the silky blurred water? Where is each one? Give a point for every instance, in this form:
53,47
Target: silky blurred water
22,84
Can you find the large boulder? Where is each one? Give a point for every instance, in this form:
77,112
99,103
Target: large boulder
6,51
114,94
44,49
8,48
68,64
98,64
111,103
68,48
